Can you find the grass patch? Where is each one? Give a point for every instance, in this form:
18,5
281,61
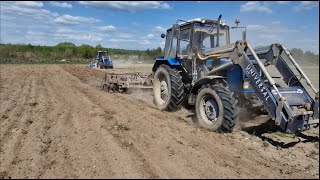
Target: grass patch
120,126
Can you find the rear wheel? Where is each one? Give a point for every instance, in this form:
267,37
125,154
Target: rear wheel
168,88
100,65
216,108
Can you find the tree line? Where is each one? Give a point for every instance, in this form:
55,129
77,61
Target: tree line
15,53
306,58
19,53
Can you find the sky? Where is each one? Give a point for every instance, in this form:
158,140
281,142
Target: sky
138,25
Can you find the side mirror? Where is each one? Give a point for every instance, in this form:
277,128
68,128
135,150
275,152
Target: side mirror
163,35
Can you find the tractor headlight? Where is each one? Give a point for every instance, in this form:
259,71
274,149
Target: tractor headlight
246,85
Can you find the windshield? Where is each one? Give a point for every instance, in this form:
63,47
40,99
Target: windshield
205,36
100,54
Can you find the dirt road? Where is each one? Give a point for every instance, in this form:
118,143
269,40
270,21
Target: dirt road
56,123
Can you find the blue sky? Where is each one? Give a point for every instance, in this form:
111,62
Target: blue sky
138,24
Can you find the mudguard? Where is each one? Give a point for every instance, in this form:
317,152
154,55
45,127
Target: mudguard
203,81
172,62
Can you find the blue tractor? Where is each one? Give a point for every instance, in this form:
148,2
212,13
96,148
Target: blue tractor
201,69
103,60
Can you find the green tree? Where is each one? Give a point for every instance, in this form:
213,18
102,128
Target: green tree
98,48
86,51
66,44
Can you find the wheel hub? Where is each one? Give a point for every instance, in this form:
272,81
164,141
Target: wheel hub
163,89
210,107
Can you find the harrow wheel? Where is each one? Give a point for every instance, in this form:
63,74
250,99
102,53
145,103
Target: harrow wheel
168,88
216,108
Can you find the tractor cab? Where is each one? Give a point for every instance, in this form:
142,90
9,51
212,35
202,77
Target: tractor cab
188,40
194,36
102,55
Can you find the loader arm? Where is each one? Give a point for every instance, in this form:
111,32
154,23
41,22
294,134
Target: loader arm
291,107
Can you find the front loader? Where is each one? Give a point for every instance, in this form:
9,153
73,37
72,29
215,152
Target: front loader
203,70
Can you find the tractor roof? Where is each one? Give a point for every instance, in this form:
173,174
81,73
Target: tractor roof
199,20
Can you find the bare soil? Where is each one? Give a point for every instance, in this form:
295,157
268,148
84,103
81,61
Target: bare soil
56,122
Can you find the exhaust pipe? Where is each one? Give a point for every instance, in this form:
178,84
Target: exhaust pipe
218,30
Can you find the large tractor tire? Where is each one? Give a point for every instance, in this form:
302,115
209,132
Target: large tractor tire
100,65
168,88
216,108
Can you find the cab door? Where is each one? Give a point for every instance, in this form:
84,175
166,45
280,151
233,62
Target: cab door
171,45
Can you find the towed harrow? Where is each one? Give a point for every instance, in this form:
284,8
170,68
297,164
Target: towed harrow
123,83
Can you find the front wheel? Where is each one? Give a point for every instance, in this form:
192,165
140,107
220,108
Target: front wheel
168,88
216,108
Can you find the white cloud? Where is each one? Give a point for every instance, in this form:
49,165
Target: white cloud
262,35
276,32
31,4
64,34
159,29
275,22
256,28
273,28
306,5
60,4
26,8
34,33
64,30
162,43
82,37
37,15
150,36
106,28
32,23
268,36
309,40
145,42
282,2
122,40
129,6
125,35
255,6
68,19
133,41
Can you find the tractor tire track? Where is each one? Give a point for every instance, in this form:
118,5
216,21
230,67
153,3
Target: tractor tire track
22,125
55,85
13,108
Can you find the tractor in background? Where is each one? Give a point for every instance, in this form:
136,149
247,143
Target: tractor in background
103,60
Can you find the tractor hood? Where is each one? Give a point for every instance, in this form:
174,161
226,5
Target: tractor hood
105,58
